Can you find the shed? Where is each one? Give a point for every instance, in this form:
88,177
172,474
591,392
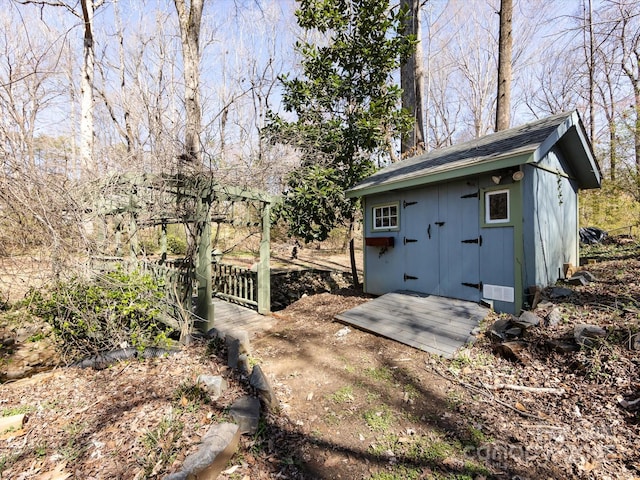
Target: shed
483,220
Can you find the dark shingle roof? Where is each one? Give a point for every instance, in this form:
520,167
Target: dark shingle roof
513,142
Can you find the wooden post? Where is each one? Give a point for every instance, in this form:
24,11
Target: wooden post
264,268
118,250
204,307
134,247
163,242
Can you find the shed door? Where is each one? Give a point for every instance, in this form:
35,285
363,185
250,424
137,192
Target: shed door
420,241
460,241
441,241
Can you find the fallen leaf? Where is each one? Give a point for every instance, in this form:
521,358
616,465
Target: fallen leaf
57,473
588,466
13,434
521,407
231,470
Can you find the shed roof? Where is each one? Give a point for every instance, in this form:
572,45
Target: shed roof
508,148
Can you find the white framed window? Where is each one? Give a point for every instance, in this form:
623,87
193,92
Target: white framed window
496,207
385,217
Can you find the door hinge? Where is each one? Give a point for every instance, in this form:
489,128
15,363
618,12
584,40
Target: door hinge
409,277
405,204
471,195
409,240
474,240
473,285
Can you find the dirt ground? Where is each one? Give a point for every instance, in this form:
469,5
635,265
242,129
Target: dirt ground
357,406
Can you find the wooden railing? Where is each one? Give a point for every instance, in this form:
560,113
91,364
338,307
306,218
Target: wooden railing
236,284
178,285
230,282
176,276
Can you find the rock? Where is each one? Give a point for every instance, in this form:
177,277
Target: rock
215,385
343,332
561,346
498,328
246,413
233,351
554,317
215,333
237,344
513,332
512,351
245,342
560,292
259,381
630,404
545,305
243,364
181,475
588,335
578,280
527,320
217,447
588,276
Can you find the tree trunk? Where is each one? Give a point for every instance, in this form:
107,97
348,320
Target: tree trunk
505,48
86,91
636,133
591,66
412,82
190,36
352,255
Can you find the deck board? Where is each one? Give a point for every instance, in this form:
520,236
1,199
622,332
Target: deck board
434,324
230,316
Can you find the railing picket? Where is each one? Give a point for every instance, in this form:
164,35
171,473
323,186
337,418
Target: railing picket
235,283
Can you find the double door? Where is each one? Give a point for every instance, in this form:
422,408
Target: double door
441,240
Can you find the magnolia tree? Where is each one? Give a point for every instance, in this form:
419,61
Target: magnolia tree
342,112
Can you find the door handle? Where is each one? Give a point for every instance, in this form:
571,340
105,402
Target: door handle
439,223
429,231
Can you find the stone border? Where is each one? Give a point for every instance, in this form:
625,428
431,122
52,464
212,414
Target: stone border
221,441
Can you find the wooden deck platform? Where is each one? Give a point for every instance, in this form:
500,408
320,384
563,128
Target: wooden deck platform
434,324
230,316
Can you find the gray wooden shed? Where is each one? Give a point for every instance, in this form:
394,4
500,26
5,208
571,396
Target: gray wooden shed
483,220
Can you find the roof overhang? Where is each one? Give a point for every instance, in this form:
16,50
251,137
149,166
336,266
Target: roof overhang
569,135
444,174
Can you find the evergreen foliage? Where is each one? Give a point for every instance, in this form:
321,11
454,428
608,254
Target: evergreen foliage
347,111
105,313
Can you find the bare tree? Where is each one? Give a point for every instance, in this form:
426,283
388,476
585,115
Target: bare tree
412,81
505,49
190,18
629,37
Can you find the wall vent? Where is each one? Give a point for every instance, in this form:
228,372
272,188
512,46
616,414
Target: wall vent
498,292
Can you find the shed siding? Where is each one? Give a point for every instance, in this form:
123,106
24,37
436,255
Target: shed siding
551,220
383,270
497,262
497,259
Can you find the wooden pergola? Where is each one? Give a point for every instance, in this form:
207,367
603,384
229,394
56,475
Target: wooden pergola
161,200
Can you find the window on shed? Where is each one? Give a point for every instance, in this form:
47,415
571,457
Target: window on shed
497,207
385,217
